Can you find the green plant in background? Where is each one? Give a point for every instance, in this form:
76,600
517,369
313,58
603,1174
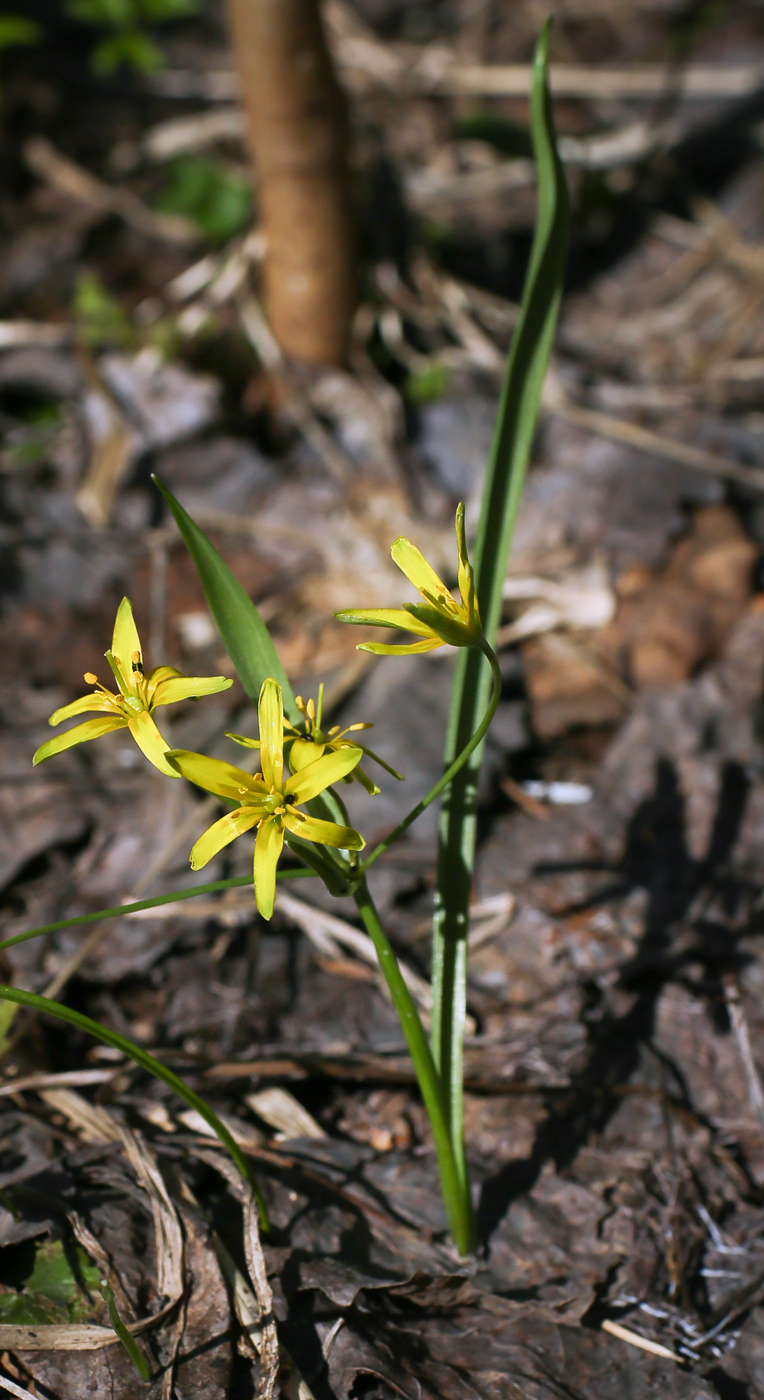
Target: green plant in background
269,802
127,40
50,1284
216,200
101,322
15,30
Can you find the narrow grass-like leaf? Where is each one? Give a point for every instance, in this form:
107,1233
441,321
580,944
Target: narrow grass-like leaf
243,632
513,438
154,903
136,1354
146,1061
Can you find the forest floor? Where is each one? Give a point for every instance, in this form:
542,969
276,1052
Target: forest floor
614,1102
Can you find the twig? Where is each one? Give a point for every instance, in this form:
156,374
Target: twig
38,333
62,174
269,1345
69,1078
625,1334
644,440
13,1389
540,810
739,1023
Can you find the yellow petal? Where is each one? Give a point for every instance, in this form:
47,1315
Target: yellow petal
383,649
215,776
169,692
319,775
91,729
268,847
383,617
99,701
414,565
222,833
270,713
125,641
304,752
157,674
325,833
151,743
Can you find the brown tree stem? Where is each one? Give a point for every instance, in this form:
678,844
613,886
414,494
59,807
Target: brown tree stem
298,133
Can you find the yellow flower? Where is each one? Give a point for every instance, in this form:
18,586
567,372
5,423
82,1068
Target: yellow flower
268,801
306,747
133,707
439,620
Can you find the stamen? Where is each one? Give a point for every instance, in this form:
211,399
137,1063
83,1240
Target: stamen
335,729
90,679
311,709
137,664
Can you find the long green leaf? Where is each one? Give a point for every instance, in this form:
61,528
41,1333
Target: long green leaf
245,637
154,903
244,634
513,438
146,1061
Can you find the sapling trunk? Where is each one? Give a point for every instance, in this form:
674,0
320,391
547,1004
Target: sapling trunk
298,134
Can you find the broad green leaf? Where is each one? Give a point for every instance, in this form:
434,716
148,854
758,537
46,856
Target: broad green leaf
54,1285
515,426
242,630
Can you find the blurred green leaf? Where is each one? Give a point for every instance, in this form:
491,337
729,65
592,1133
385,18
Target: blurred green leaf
163,11
16,30
134,49
53,1284
99,317
504,135
220,204
427,385
112,14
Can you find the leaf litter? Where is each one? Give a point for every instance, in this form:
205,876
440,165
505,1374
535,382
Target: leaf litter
616,1007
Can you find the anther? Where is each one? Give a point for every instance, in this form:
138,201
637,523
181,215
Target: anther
90,679
136,662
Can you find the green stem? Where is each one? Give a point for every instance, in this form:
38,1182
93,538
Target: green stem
456,1195
515,427
154,903
147,1062
449,955
453,768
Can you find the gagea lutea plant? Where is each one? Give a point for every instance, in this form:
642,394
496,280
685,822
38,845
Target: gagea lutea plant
294,799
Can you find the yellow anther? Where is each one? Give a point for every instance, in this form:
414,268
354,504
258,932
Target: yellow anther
311,709
90,679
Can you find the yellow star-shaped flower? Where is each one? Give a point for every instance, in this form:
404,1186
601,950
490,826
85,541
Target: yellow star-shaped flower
139,695
438,621
314,742
270,800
